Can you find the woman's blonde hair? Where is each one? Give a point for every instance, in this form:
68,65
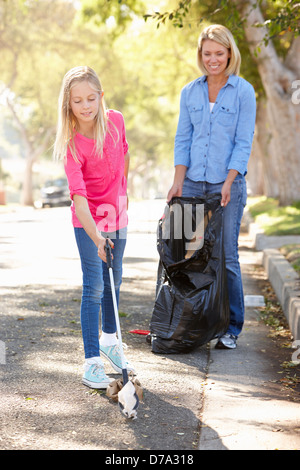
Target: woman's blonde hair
223,36
67,125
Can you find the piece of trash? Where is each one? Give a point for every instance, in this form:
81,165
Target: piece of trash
254,301
140,332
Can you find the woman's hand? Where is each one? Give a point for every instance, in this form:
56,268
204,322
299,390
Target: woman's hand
225,192
176,190
226,188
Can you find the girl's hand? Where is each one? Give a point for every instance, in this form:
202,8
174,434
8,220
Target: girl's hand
101,248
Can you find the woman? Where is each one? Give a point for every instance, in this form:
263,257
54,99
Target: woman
212,147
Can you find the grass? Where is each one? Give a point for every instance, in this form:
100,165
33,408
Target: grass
292,254
277,220
272,315
274,219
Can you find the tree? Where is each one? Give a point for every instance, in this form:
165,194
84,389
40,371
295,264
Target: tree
277,139
278,122
39,44
40,40
28,73
143,80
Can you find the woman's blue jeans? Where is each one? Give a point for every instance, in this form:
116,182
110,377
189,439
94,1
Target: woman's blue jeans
96,289
233,213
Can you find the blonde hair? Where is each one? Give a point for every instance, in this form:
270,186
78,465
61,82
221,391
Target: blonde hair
67,125
223,36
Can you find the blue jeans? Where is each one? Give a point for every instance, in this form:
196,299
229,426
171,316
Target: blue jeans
233,213
96,288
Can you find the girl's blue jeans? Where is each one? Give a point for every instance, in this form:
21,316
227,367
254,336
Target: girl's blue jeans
233,213
96,289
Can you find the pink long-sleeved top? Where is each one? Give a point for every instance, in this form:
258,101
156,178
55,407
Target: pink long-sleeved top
101,179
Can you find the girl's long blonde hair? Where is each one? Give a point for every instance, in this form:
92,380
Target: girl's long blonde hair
67,125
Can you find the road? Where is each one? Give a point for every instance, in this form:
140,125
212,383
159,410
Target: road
38,246
43,403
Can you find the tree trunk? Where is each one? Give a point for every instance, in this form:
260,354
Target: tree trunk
32,155
278,126
27,188
263,172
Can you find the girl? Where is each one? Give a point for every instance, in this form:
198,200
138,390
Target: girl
92,142
212,148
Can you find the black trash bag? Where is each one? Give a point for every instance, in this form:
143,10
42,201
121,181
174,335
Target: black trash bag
191,306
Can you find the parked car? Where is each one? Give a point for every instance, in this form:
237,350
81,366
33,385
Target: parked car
55,193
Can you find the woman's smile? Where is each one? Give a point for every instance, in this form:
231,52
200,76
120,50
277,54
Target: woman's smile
215,57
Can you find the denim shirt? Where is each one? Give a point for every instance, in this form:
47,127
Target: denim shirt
212,143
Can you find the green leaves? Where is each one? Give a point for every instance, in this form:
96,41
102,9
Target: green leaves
176,16
282,16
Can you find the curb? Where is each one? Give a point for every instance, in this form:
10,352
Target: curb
284,279
286,284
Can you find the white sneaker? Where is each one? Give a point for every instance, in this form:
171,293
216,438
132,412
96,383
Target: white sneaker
94,376
226,341
112,354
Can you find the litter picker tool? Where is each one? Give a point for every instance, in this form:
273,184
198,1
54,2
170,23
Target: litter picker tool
127,396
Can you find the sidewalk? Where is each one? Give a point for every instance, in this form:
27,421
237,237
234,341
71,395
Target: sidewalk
246,405
205,400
